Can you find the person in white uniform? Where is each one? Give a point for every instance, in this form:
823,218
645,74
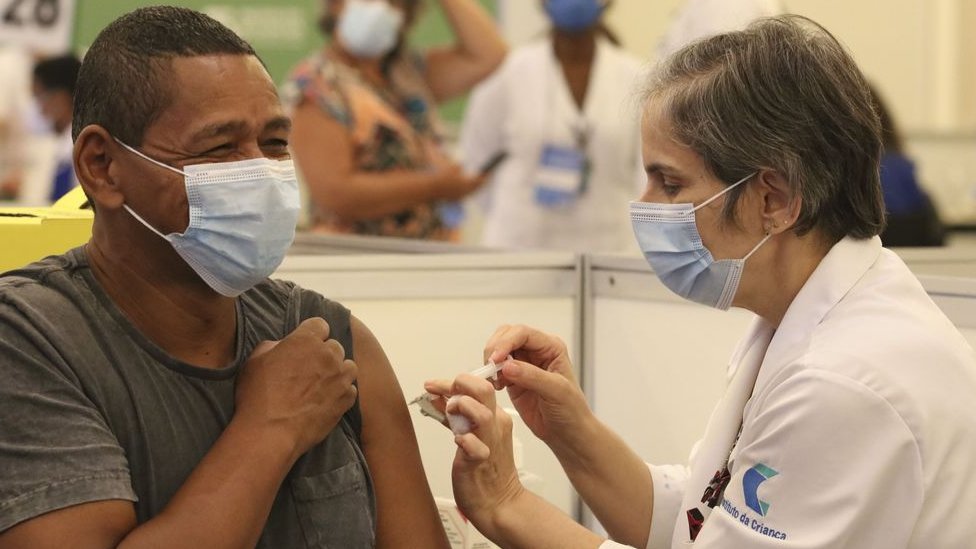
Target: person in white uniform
850,418
559,109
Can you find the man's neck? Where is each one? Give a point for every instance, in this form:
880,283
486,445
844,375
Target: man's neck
165,300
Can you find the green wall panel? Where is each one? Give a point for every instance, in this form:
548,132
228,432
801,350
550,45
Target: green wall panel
282,31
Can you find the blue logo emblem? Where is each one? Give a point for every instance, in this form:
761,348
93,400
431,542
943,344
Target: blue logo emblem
750,486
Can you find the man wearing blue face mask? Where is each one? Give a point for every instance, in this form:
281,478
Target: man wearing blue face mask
159,390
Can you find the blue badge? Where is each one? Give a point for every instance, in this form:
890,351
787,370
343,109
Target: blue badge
561,176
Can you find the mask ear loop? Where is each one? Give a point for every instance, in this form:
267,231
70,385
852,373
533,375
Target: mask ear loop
153,160
161,165
723,191
143,221
761,242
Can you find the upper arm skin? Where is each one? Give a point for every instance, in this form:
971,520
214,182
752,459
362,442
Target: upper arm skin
323,151
95,525
450,74
406,514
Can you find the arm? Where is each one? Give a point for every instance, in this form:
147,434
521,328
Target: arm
224,503
608,475
289,397
613,481
324,151
406,514
486,484
453,70
610,478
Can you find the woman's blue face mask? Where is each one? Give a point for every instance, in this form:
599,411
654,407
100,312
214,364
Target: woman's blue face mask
669,239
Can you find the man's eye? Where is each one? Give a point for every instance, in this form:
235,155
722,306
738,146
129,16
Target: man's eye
277,143
276,148
222,148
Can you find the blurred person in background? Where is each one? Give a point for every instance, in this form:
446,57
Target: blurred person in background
54,89
912,219
14,102
556,116
366,134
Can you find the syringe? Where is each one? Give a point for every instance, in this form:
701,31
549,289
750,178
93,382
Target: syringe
458,423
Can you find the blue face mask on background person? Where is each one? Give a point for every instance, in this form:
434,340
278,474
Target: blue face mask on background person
668,236
574,15
242,220
369,29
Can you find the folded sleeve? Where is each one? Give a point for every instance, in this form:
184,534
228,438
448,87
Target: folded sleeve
669,490
56,449
823,462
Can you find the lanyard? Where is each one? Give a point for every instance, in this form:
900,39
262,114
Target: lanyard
716,487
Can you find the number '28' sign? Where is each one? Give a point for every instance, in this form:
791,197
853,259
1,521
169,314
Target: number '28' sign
43,26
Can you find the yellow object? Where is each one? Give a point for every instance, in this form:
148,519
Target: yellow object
29,234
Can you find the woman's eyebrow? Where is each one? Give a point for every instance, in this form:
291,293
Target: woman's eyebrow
659,168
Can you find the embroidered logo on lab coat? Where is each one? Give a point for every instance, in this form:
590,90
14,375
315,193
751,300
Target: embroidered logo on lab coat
756,511
750,487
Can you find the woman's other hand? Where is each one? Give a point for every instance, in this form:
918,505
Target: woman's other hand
540,381
484,476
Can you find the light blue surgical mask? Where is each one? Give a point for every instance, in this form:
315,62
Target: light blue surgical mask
668,236
242,220
369,29
574,15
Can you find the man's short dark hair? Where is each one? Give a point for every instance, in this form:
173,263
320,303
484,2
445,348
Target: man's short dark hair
58,73
122,85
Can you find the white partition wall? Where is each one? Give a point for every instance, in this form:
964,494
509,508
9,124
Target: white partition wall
957,299
655,364
433,315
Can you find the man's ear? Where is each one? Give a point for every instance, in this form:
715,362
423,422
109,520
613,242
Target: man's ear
780,202
93,157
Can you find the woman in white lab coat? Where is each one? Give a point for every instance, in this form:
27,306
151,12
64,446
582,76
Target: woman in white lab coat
850,418
560,113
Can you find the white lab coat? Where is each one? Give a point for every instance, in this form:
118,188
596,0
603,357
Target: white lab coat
527,105
863,402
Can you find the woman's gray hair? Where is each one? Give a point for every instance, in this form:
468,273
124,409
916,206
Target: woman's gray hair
785,95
